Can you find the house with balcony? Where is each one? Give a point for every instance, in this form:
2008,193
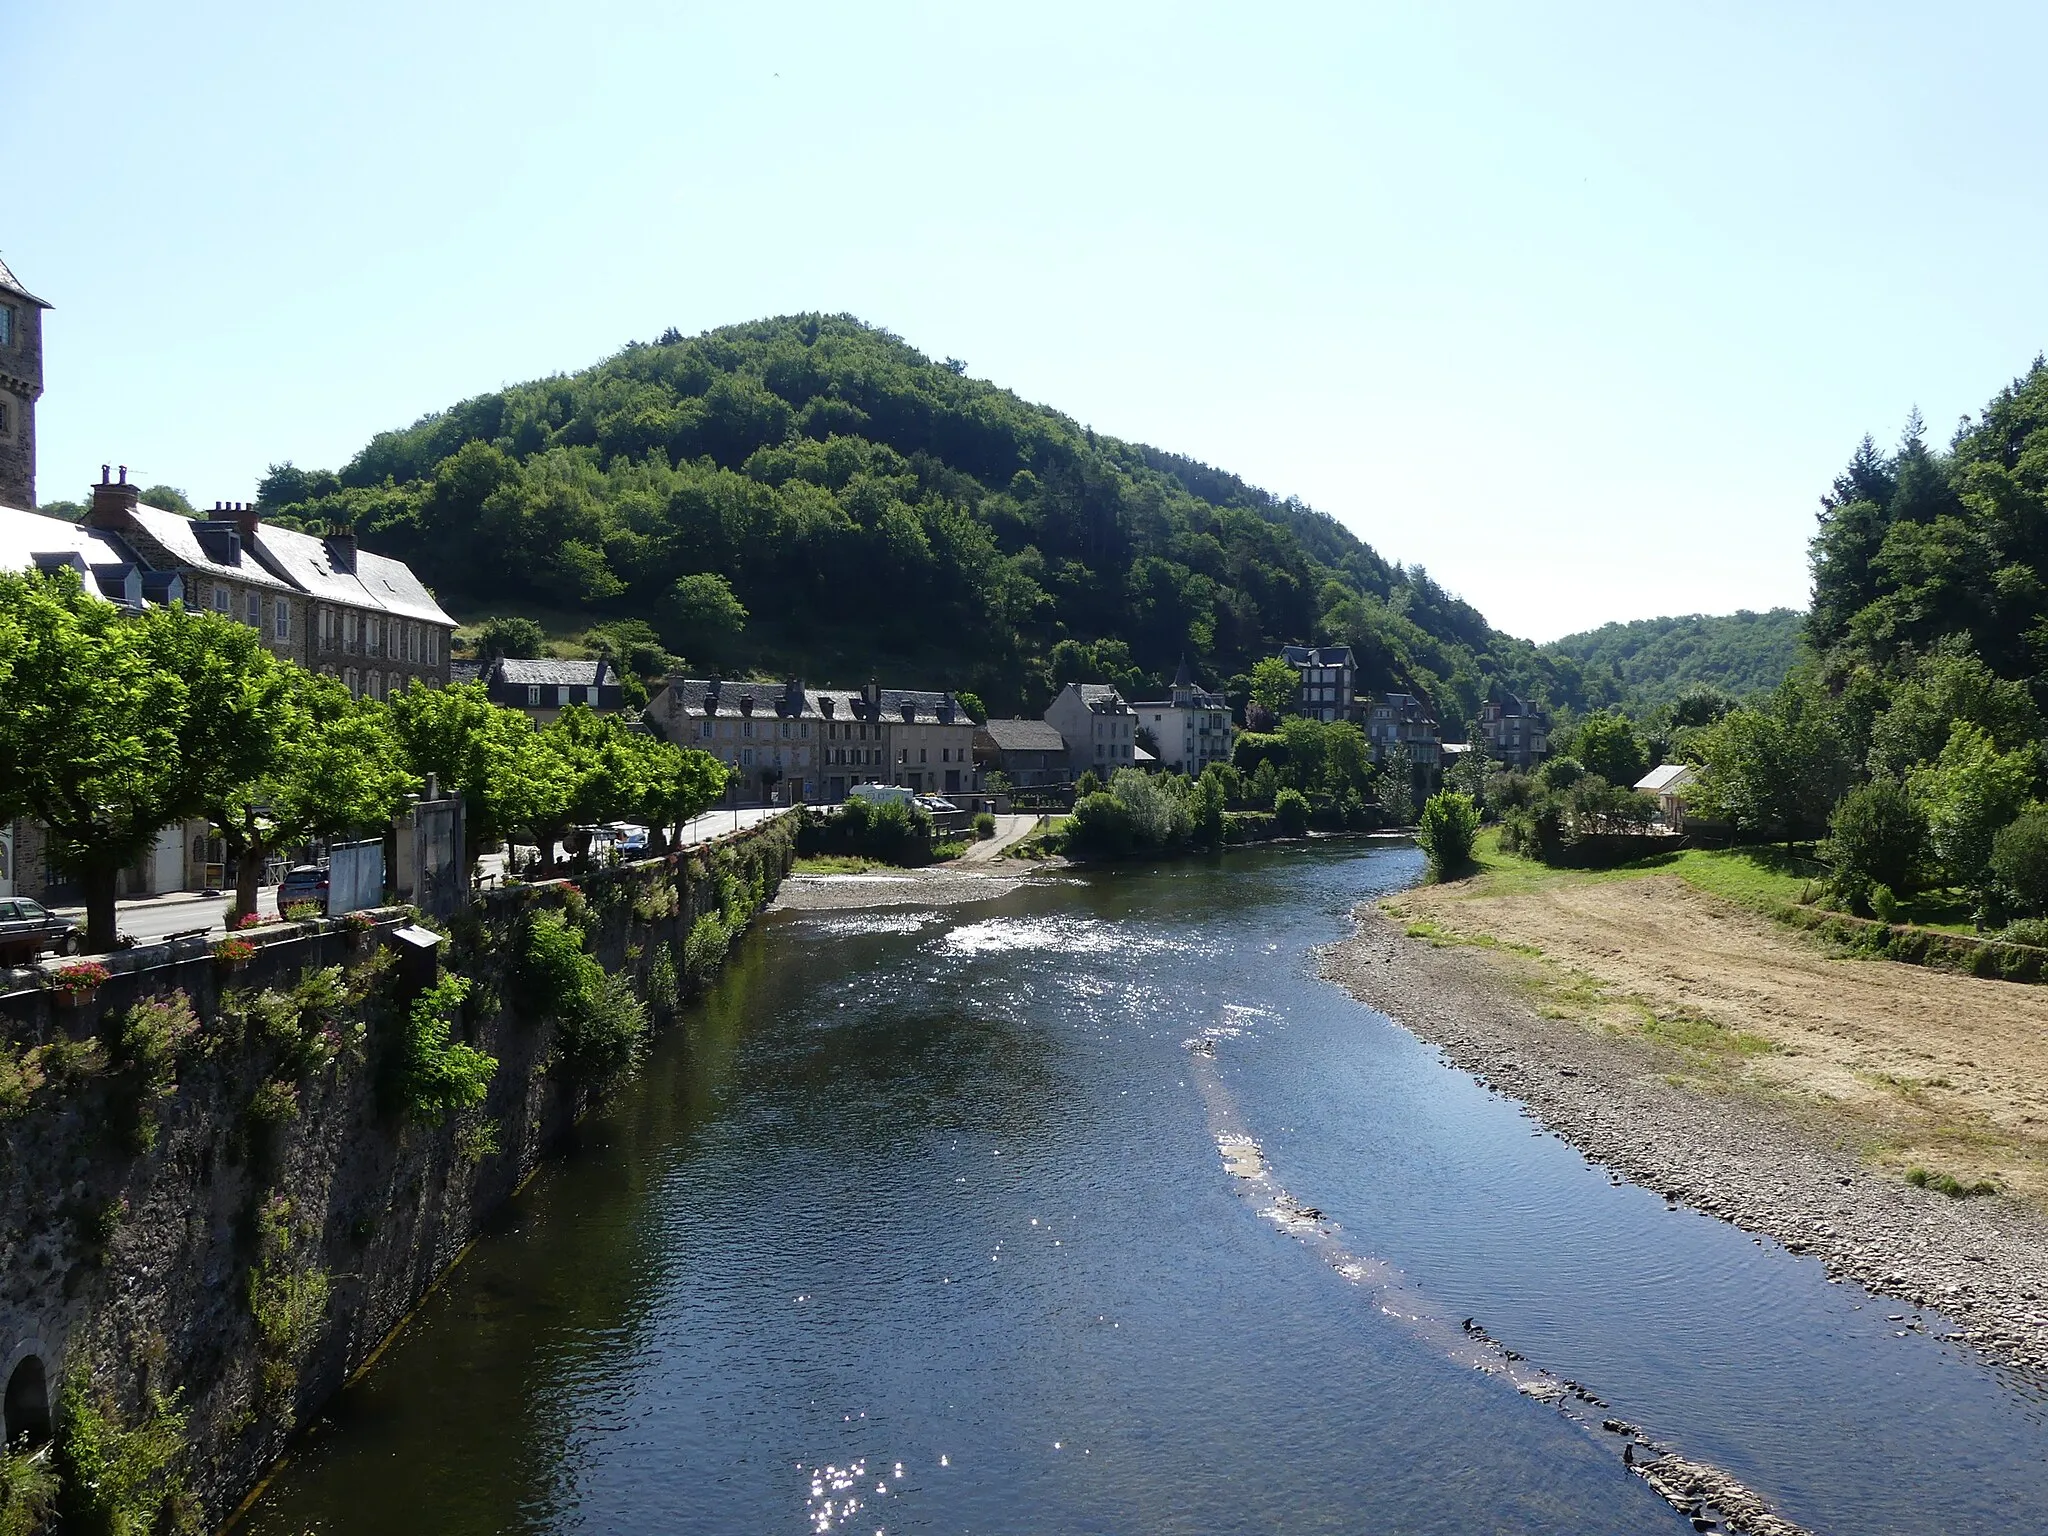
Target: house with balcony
1515,732
1191,725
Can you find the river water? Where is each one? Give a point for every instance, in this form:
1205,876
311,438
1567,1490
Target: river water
921,1224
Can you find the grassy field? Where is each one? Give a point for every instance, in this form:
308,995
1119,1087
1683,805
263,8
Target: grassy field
1761,878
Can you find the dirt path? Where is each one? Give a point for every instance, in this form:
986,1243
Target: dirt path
1920,1067
1009,829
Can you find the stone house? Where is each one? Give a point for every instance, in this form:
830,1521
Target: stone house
318,600
1397,720
1329,682
786,743
1029,753
1515,732
1098,726
1191,725
544,687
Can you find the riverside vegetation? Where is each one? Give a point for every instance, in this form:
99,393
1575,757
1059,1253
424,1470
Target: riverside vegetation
341,1131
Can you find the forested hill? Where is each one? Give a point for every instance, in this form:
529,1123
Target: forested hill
871,511
1650,662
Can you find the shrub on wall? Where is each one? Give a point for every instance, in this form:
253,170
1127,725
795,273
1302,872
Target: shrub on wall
288,1299
118,1480
432,1075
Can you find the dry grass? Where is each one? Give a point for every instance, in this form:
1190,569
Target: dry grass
1917,1068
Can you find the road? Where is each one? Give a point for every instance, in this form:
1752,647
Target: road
154,917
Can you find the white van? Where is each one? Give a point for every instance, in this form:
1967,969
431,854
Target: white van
883,794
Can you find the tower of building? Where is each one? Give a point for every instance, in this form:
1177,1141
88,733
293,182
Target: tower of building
21,385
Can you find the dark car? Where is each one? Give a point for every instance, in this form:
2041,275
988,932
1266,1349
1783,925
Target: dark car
27,928
306,882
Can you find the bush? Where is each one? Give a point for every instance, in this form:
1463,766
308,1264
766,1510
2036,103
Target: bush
892,832
1138,813
2019,859
1290,810
432,1075
705,948
1876,836
116,1480
288,1301
551,966
28,1493
984,827
602,1035
143,1047
1884,906
1446,832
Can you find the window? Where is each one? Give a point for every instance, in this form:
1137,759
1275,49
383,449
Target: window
747,729
6,421
433,647
349,677
590,695
561,696
373,639
6,325
533,697
283,612
223,600
394,684
785,730
747,757
412,642
920,755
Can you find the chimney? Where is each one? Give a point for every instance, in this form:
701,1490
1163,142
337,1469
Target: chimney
246,519
113,502
341,546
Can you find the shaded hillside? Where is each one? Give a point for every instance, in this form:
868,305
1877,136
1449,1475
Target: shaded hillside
874,511
1651,661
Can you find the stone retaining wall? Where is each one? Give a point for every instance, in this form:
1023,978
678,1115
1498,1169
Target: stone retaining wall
275,1156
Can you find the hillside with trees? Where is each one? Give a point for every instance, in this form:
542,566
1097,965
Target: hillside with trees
1649,663
811,495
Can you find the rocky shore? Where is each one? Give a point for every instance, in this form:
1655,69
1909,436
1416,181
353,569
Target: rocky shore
1971,1270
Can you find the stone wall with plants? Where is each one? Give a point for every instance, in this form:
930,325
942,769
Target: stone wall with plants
226,1176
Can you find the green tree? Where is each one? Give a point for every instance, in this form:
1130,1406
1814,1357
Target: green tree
2019,859
112,728
330,766
701,616
1775,771
488,755
1448,827
1969,793
1274,685
1608,745
509,635
1877,835
1290,811
167,497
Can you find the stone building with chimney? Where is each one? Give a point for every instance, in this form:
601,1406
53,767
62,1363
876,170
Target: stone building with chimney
318,600
21,385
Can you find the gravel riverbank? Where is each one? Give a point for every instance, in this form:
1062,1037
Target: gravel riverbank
1973,1270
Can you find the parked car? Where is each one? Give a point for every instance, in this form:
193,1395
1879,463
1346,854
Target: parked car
303,882
27,928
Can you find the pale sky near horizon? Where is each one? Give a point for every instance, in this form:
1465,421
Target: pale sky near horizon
1579,307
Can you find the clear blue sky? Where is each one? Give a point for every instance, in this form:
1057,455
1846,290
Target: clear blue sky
1579,307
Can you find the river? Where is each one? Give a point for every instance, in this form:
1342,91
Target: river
921,1224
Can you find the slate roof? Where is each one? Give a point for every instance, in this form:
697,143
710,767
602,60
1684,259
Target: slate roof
30,541
1315,656
694,697
549,672
1025,736
307,561
12,284
464,672
204,547
1101,698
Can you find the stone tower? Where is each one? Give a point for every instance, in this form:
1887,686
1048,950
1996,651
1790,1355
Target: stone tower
21,385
